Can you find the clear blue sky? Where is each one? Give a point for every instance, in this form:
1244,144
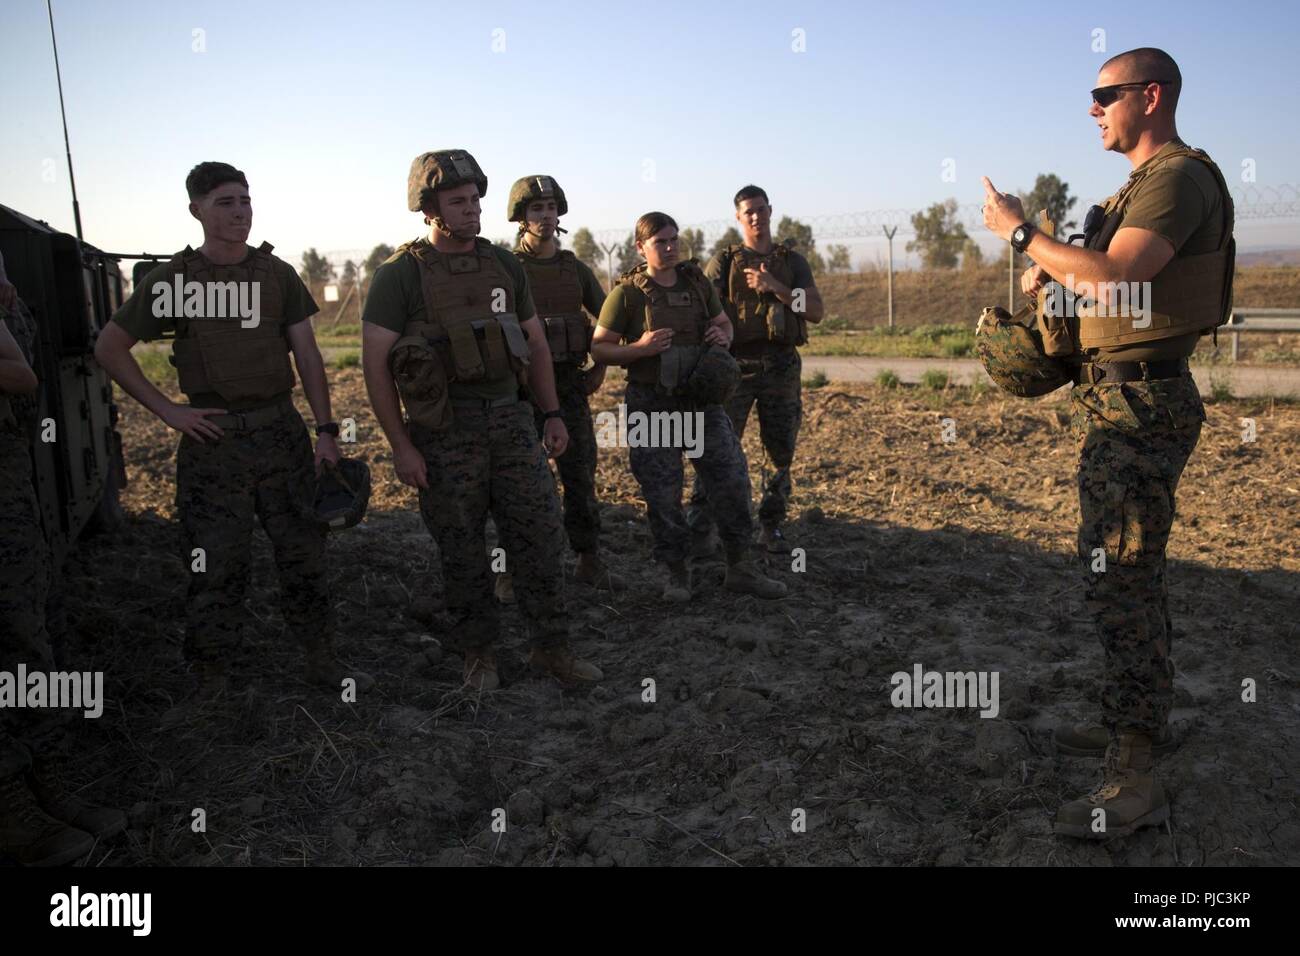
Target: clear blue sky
324,104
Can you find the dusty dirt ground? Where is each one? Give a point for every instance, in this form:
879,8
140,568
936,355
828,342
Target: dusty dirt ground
956,556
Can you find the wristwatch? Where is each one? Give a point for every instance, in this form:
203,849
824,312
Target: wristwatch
329,428
554,413
1021,235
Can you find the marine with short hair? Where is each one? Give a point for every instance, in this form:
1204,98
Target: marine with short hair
1136,412
245,456
768,292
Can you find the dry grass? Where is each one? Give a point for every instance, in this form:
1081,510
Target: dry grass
955,555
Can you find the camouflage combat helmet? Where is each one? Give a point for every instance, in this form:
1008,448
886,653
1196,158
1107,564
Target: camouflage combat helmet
442,169
342,493
530,188
715,377
1011,349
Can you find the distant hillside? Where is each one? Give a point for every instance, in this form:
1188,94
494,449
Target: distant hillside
1269,257
859,300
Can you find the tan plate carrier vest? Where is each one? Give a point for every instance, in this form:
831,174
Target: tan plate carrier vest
557,293
762,317
219,354
685,312
469,314
1190,294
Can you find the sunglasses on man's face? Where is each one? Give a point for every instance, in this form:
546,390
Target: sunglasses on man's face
1103,96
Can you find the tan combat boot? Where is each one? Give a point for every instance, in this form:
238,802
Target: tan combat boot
678,588
558,661
321,668
1129,796
481,668
99,822
744,577
30,835
504,588
1091,740
591,570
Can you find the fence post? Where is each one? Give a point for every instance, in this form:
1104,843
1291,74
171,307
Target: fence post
889,234
609,267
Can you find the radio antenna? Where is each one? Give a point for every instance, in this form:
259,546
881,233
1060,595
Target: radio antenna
76,209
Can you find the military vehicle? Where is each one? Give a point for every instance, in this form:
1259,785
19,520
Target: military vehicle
71,289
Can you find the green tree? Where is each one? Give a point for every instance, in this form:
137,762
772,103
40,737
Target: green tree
731,237
940,238
349,276
837,259
316,269
692,241
972,256
804,243
626,255
585,248
1050,194
378,256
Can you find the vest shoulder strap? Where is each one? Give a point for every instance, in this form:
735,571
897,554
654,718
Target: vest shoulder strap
694,275
565,259
782,249
421,250
632,276
184,261
189,257
263,261
1179,152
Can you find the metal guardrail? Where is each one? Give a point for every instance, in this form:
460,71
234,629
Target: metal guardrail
1260,320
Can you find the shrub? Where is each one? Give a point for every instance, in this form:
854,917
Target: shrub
934,379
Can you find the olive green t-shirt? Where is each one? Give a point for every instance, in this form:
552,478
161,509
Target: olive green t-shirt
396,298
1182,203
593,294
136,315
624,309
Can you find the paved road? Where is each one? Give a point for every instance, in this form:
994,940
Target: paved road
1247,381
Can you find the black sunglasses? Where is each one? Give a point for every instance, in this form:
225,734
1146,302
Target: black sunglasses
1105,95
